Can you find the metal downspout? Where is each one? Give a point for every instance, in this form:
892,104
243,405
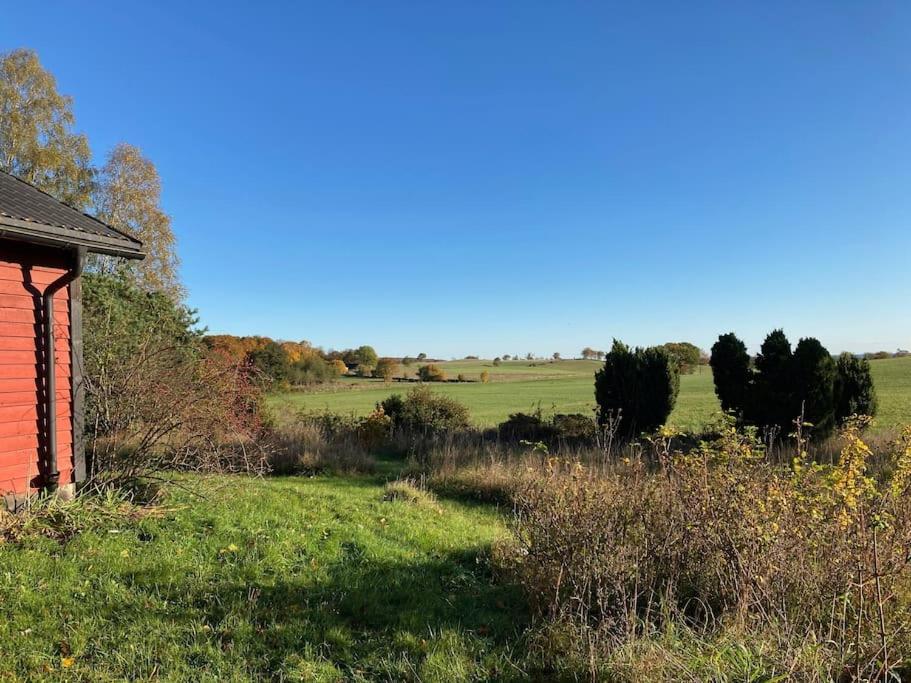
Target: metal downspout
50,399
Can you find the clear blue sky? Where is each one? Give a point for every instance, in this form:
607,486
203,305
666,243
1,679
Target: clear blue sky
488,178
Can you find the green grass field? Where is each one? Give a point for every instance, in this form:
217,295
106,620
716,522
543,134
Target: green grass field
567,386
276,579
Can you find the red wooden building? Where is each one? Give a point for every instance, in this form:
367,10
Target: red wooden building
43,244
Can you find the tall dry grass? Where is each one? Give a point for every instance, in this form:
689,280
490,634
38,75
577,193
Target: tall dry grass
810,559
312,444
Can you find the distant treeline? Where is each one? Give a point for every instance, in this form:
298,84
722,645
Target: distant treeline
685,355
882,355
296,363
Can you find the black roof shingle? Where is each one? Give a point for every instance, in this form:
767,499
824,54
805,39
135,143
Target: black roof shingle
25,209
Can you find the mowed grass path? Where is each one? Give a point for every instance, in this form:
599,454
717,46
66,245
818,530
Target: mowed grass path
568,387
264,579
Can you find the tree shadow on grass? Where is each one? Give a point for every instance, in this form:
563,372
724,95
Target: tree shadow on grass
369,616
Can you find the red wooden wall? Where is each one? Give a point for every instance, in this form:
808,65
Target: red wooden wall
25,271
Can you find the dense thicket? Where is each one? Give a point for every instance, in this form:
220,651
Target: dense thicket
122,322
156,398
786,385
276,364
271,363
431,373
636,389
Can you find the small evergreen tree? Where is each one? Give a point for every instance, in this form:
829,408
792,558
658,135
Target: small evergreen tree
615,385
659,380
637,386
812,384
731,372
771,401
854,391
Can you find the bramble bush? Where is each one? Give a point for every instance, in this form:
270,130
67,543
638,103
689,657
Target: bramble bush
525,427
812,560
317,443
156,397
421,411
572,428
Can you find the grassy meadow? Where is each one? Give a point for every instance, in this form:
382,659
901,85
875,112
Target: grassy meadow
248,579
568,387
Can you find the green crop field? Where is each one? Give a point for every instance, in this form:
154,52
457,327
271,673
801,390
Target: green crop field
568,387
892,378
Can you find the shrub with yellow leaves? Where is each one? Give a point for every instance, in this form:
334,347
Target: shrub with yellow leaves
723,536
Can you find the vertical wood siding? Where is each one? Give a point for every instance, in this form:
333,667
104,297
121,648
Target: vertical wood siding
25,272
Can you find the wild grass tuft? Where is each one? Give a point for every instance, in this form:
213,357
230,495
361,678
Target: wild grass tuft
410,491
61,520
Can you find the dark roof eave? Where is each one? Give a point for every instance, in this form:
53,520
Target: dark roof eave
49,235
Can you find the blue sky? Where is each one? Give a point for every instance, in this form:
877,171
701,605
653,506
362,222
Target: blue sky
488,178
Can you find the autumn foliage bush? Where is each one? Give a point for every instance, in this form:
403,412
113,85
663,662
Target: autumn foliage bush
431,373
721,539
156,397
